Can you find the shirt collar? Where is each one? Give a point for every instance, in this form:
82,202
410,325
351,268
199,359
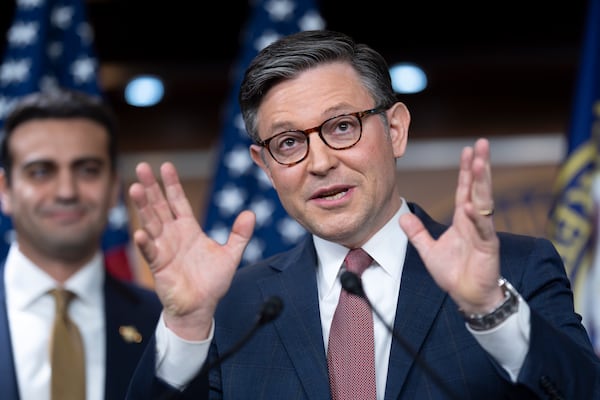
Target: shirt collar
25,282
387,247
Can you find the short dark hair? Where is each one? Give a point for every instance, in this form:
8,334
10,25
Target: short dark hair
61,104
287,57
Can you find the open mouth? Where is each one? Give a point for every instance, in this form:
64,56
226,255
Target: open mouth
334,195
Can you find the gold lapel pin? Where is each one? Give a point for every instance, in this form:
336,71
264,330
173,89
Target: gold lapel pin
130,334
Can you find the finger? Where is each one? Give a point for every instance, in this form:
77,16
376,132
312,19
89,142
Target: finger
465,177
145,245
179,203
139,196
481,207
482,199
154,193
482,196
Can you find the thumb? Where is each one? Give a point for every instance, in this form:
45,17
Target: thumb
416,232
241,231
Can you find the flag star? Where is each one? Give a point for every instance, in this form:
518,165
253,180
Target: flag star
118,217
254,250
14,71
28,4
62,16
230,199
311,21
219,233
238,161
6,104
263,209
239,122
83,69
266,39
280,10
290,229
262,178
23,34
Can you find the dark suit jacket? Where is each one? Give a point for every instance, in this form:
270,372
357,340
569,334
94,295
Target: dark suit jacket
286,359
125,305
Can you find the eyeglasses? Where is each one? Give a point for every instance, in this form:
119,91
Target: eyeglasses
338,133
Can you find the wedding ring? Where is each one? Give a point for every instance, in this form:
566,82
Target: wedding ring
487,212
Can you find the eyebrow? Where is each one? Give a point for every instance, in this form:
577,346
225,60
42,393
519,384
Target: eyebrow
338,109
76,162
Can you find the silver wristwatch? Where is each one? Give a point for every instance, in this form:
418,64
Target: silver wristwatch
510,305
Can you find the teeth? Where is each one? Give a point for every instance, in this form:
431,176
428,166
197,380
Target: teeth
336,196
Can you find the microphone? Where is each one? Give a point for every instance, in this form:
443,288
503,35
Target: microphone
270,310
353,285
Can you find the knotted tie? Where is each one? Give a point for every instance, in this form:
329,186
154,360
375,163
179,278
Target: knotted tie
66,352
351,349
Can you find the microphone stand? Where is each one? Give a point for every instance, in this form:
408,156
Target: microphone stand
353,285
270,310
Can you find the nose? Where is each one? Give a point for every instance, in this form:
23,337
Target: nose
321,157
66,185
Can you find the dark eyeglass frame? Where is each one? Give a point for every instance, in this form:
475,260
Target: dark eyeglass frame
359,115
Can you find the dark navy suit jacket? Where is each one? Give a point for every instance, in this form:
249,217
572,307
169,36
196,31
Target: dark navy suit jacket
125,305
286,359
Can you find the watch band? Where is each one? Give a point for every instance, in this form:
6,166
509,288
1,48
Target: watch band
490,320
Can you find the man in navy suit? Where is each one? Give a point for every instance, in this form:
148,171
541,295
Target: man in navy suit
58,184
476,314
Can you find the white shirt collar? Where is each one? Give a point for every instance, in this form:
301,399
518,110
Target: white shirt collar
25,282
387,247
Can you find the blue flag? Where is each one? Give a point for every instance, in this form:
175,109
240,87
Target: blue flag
238,183
50,45
573,224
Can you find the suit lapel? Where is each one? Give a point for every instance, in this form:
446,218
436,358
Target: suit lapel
128,328
419,302
8,377
299,326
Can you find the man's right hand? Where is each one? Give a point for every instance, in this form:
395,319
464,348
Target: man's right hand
191,271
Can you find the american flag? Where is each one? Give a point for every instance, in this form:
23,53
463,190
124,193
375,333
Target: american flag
575,217
50,45
238,183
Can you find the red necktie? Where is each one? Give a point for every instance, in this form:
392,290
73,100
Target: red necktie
351,349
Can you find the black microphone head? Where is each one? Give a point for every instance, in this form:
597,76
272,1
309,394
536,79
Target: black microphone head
271,309
352,283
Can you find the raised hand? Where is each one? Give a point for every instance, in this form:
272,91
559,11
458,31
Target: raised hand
465,260
191,271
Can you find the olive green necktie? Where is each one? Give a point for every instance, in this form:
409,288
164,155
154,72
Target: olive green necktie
66,352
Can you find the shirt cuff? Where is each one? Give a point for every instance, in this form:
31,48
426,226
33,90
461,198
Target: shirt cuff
177,359
508,343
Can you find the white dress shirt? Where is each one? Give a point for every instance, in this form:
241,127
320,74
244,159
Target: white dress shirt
507,343
31,314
